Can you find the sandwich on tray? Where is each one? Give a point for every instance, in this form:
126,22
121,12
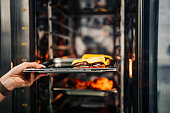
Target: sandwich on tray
92,61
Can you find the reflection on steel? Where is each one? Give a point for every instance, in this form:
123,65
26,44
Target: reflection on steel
71,70
71,40
50,50
50,40
5,39
86,92
5,49
57,97
122,25
140,31
130,68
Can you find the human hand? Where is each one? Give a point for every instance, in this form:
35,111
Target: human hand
17,78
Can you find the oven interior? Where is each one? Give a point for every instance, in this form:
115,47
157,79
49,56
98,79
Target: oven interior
63,30
67,29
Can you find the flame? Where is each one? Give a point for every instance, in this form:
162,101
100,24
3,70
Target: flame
130,68
38,61
101,83
80,84
40,57
47,56
57,97
134,57
12,65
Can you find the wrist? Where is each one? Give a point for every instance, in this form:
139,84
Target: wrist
7,82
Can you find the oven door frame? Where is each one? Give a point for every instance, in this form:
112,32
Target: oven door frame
147,55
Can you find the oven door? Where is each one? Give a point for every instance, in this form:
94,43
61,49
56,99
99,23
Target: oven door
154,59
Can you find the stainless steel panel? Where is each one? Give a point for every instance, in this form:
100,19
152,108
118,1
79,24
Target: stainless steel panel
20,30
5,49
122,53
147,56
5,36
20,50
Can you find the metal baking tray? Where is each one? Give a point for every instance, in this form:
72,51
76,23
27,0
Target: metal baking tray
59,62
85,92
71,70
65,63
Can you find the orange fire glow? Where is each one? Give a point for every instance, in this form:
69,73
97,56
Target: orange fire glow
101,83
130,68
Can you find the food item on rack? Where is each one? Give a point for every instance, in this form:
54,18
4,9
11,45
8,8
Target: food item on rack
101,83
92,61
108,58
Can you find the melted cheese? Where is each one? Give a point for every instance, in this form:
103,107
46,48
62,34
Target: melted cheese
86,56
92,60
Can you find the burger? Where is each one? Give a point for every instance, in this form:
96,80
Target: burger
92,61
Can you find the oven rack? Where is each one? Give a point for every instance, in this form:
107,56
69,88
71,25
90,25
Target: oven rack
71,70
62,25
85,92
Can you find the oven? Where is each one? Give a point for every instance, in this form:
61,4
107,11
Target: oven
66,30
56,32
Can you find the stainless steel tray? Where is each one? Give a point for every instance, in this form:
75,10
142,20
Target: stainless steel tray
70,70
59,62
85,92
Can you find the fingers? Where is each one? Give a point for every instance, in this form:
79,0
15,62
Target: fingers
22,79
31,65
34,77
29,81
18,70
36,65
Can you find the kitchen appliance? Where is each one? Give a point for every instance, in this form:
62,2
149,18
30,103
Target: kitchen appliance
46,30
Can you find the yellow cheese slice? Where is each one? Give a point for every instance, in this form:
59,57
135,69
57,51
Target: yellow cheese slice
91,60
86,56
